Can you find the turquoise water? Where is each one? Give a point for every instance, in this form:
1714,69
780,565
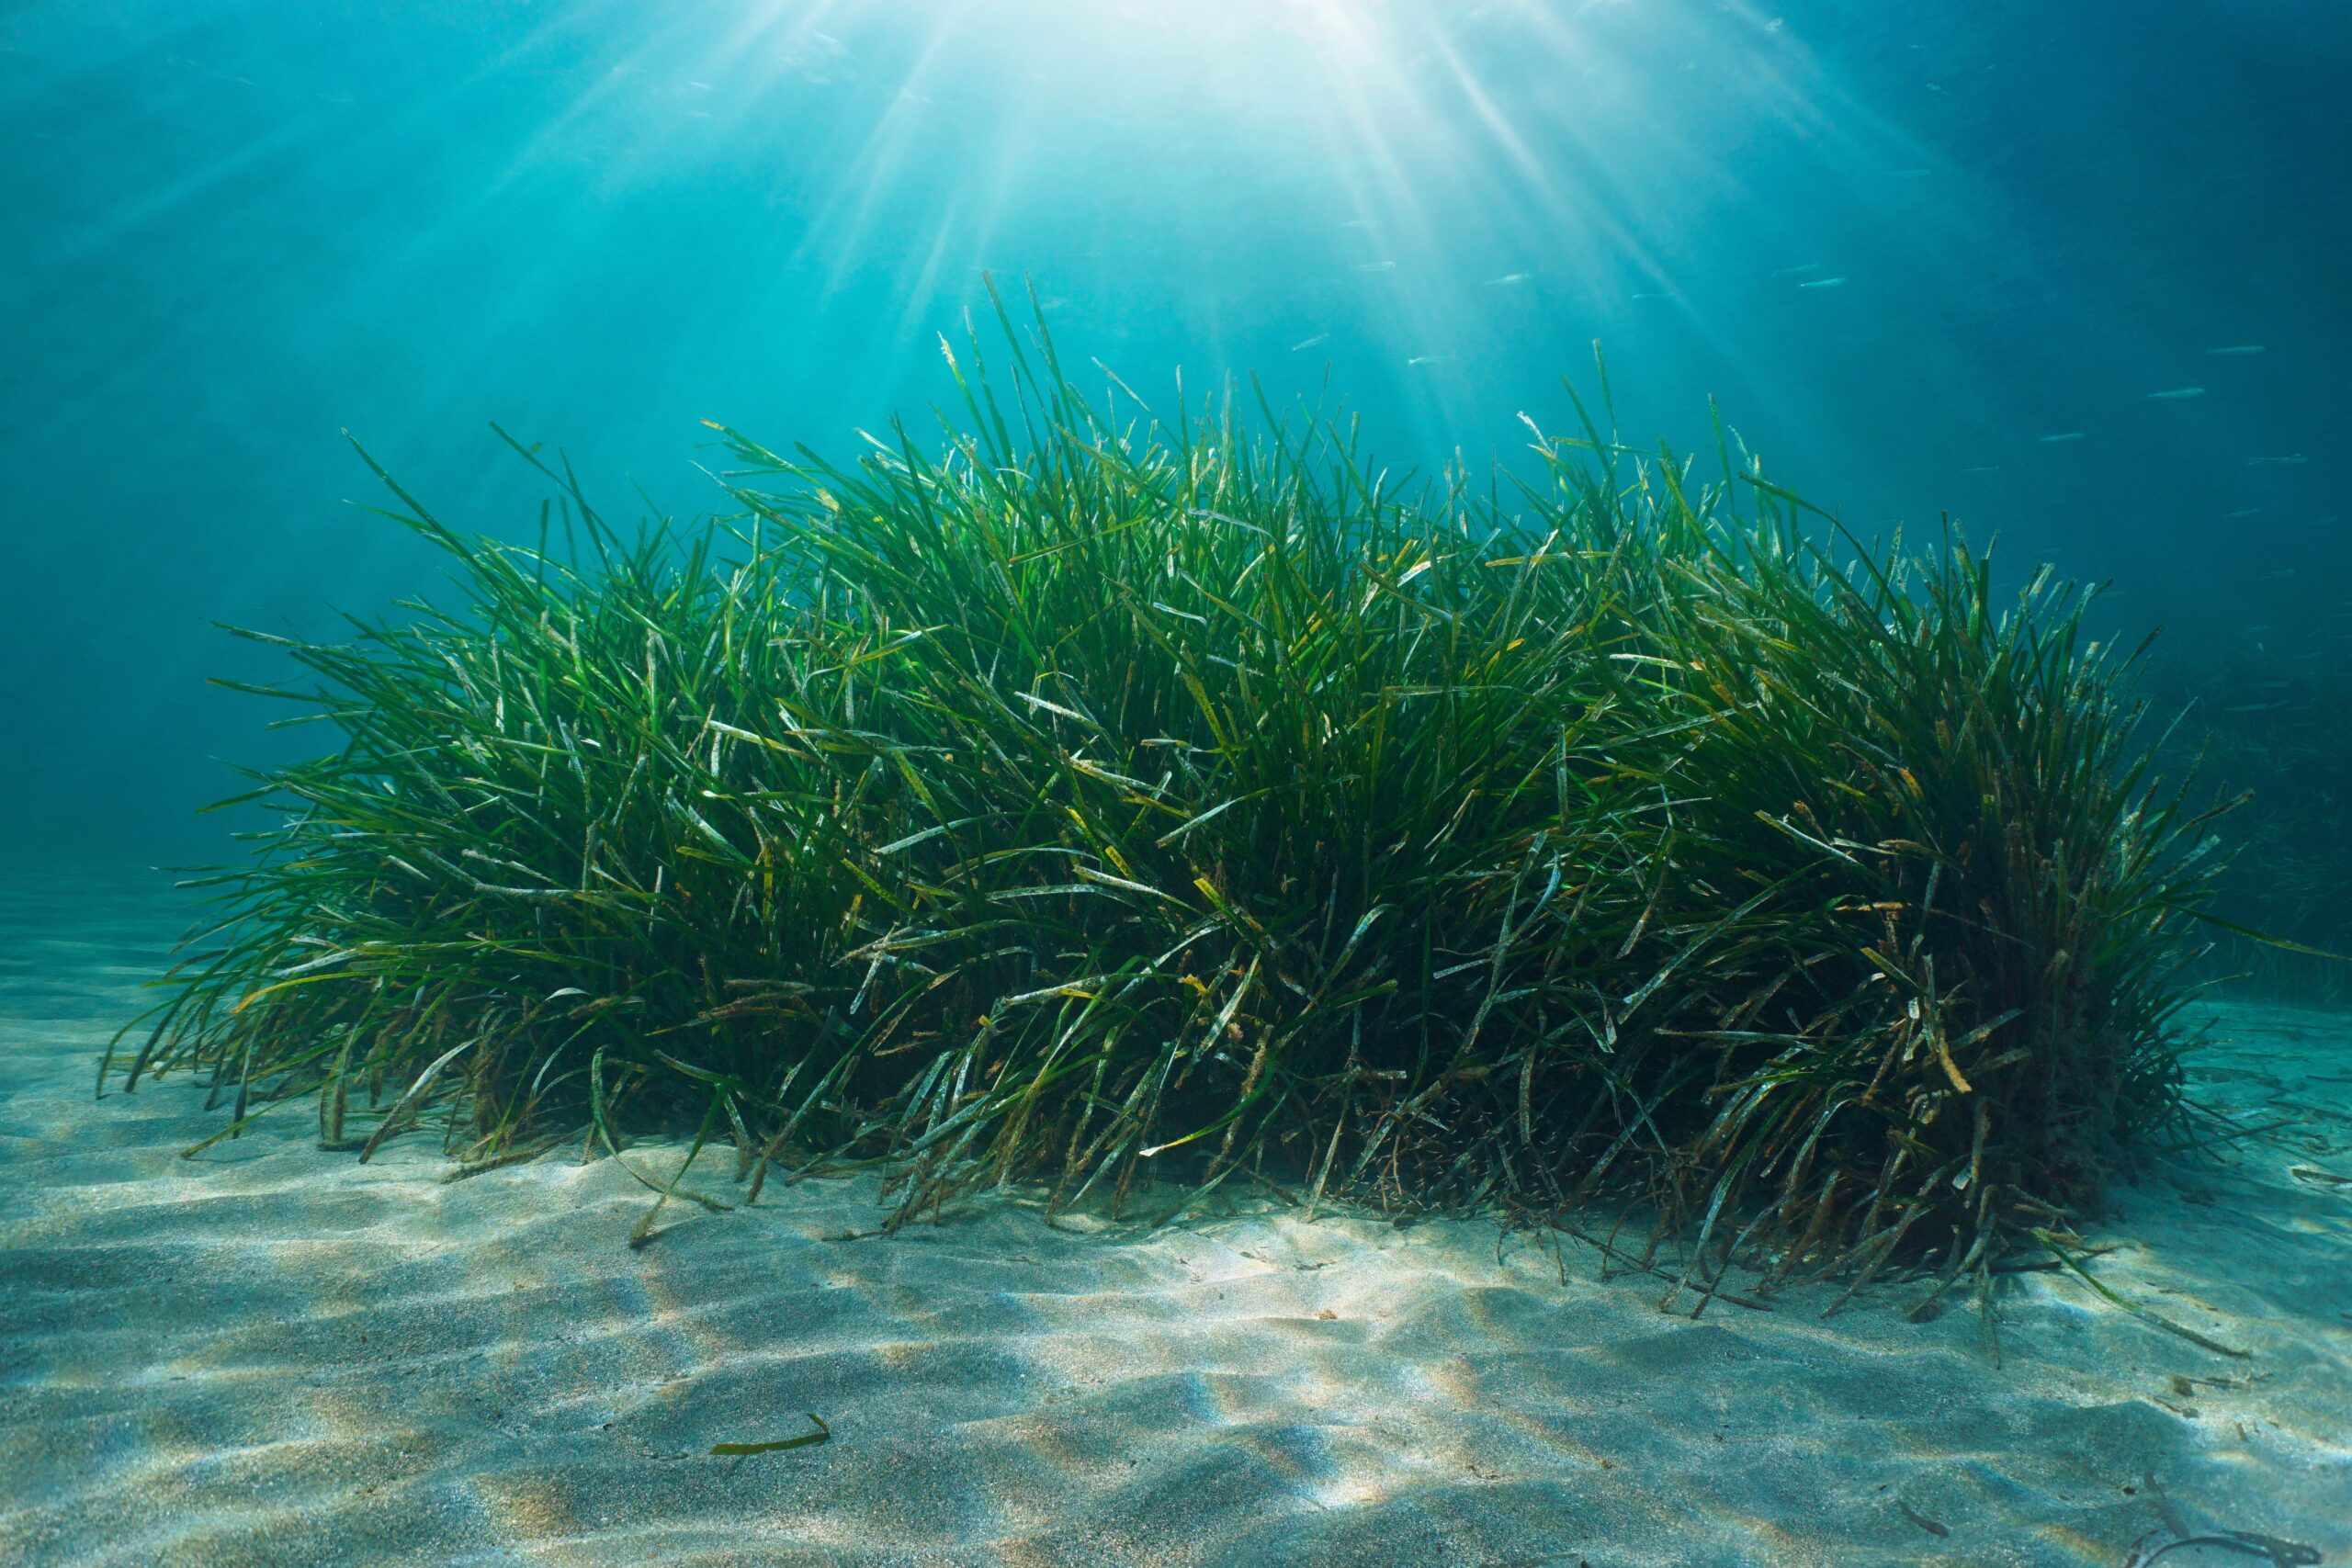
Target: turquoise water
1930,259
2070,275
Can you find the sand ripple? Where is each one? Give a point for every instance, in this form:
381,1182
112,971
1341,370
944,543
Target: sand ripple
272,1355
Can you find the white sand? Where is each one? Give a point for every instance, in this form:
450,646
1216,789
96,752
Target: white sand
274,1355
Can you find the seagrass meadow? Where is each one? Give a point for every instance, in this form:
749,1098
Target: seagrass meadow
686,881
1123,804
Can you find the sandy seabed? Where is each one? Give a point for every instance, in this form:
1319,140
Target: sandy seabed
269,1354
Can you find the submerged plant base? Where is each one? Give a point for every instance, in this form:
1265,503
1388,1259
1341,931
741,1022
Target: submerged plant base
1104,797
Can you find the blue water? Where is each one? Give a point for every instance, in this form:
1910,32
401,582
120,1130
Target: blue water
1929,257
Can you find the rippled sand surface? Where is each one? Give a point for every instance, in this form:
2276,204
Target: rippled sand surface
272,1355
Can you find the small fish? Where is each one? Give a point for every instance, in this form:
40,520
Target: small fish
1310,342
1793,271
1982,468
1356,223
1374,266
2234,351
2291,460
1909,174
2242,512
2062,435
1428,358
1824,283
2275,576
2175,394
1507,279
1655,294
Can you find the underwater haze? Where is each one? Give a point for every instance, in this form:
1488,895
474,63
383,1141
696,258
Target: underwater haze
2071,275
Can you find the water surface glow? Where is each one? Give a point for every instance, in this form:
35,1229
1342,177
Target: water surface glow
1904,249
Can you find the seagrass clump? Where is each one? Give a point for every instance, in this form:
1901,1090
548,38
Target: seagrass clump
1121,806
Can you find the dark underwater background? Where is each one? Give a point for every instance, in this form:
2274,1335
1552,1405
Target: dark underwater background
2071,275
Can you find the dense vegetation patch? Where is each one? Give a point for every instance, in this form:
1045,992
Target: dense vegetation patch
1097,800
